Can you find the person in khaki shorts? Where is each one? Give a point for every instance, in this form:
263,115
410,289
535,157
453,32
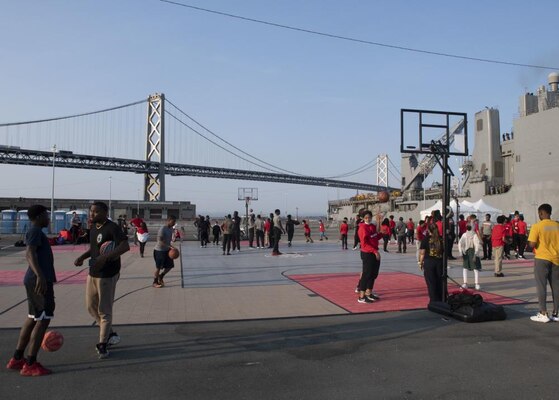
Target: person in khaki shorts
544,238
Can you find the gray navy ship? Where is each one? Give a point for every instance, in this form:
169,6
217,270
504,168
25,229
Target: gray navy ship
516,170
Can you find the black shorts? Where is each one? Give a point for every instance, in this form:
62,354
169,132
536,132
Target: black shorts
162,259
41,306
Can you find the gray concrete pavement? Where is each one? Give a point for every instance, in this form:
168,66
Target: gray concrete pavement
239,328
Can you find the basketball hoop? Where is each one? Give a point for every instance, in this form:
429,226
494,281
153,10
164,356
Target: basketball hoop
248,195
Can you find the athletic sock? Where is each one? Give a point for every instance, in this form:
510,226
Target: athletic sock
31,359
18,354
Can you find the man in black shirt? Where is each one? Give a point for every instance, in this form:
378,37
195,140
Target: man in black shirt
104,271
236,238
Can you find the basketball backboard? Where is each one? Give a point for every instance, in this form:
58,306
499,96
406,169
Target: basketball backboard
429,132
247,194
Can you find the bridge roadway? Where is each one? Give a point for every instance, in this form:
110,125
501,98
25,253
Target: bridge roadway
63,159
226,333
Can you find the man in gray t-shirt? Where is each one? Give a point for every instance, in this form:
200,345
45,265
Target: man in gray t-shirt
163,263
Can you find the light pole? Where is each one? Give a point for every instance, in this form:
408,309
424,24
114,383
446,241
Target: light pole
297,213
138,208
52,191
423,187
110,195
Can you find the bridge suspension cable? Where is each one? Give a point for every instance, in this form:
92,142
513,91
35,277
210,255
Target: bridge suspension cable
73,116
273,167
214,143
267,166
356,171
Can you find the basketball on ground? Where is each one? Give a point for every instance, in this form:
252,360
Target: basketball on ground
173,253
383,197
52,341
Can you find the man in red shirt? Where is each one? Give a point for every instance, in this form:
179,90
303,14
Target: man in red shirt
521,239
498,244
462,224
411,227
508,237
344,228
136,222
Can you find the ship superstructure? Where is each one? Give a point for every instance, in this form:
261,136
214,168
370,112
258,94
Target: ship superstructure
516,170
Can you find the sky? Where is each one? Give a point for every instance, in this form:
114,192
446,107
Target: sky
311,104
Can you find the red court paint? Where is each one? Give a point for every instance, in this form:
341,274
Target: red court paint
398,291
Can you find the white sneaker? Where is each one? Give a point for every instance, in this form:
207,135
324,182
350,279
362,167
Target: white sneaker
540,318
554,318
464,286
478,287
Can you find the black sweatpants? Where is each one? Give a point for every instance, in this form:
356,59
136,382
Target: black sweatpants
433,273
277,237
227,242
369,274
344,240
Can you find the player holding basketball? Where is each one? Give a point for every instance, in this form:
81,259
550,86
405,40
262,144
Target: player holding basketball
38,282
164,263
104,271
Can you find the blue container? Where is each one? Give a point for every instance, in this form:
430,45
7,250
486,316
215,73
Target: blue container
8,223
80,213
22,222
46,230
59,221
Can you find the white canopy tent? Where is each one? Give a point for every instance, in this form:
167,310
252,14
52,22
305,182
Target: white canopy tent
463,207
479,208
485,208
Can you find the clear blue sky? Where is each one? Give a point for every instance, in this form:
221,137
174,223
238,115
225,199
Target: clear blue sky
306,103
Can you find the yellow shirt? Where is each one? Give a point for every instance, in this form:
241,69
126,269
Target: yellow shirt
546,236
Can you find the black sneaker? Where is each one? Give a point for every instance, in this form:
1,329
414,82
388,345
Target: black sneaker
373,296
102,350
114,339
365,300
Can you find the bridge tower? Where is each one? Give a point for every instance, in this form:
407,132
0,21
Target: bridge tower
382,170
154,184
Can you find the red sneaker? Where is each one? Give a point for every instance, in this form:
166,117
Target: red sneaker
35,369
16,364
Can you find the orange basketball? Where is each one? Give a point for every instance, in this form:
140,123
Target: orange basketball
173,253
52,341
383,197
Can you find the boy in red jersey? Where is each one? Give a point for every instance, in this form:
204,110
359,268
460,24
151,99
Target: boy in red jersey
498,244
307,230
344,228
370,257
522,232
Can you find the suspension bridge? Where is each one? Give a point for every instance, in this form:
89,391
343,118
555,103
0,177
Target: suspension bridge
122,141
